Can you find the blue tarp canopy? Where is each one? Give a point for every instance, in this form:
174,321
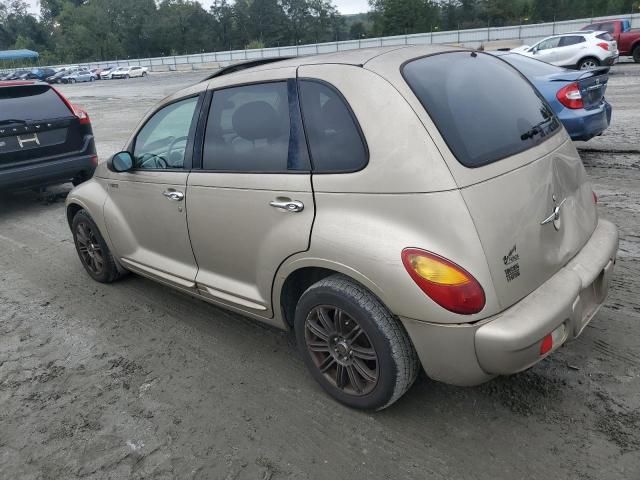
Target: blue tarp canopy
17,54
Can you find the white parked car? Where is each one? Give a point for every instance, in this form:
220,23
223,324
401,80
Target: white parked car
130,72
581,50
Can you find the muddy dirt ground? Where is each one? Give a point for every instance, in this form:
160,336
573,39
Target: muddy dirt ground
134,380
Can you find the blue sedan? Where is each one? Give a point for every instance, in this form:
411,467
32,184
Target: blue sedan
577,97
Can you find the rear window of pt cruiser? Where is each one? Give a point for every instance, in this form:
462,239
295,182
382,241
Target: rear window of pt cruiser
484,109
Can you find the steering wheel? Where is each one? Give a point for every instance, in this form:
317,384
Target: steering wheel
152,161
173,144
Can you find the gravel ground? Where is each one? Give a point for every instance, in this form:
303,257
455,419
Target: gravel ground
134,380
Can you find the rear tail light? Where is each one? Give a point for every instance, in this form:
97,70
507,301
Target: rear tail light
94,160
78,112
82,115
595,197
570,96
604,46
446,283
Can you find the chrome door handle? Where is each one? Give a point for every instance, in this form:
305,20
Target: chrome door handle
288,205
173,195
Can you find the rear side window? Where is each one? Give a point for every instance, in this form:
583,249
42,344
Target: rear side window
608,27
484,109
605,36
334,137
250,130
571,40
34,102
626,26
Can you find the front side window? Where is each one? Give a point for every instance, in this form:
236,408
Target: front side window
549,43
335,141
162,142
250,129
484,109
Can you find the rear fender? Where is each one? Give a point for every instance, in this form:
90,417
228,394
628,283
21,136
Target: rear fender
365,242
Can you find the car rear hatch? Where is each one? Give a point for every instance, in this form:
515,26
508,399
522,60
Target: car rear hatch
520,176
36,124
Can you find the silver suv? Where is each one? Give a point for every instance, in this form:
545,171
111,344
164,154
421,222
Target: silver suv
392,206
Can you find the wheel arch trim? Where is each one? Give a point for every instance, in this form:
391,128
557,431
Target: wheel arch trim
301,261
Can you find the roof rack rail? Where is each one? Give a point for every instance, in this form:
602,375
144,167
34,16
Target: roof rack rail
236,67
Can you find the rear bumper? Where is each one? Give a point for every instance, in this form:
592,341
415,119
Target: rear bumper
470,354
583,125
609,61
51,172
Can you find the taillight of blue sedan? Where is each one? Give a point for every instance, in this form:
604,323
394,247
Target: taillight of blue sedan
577,97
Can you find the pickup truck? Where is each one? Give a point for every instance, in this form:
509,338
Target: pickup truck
628,39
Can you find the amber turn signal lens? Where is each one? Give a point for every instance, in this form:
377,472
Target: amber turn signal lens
446,283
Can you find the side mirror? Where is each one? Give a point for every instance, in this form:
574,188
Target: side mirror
121,162
534,50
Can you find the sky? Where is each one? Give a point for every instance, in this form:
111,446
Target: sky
346,7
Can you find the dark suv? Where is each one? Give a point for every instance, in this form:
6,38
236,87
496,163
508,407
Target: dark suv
44,139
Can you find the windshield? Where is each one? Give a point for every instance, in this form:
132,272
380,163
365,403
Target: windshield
484,108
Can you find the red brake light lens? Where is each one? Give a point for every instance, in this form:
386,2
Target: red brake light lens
595,197
570,96
78,112
446,283
604,46
82,115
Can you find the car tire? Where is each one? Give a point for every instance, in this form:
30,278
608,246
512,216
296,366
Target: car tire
353,346
636,54
588,62
92,249
127,77
144,74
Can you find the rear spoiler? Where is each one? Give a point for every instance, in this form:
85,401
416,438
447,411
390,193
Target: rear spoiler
575,75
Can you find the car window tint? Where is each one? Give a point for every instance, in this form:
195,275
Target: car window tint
465,94
162,142
571,40
334,138
608,27
32,102
549,43
249,130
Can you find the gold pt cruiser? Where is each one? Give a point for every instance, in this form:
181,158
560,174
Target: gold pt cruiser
395,207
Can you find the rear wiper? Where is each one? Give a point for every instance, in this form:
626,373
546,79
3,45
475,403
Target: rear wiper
535,130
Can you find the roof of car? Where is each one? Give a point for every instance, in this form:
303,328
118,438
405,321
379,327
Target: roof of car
357,57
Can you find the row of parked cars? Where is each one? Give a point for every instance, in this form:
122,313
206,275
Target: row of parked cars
364,263
76,74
